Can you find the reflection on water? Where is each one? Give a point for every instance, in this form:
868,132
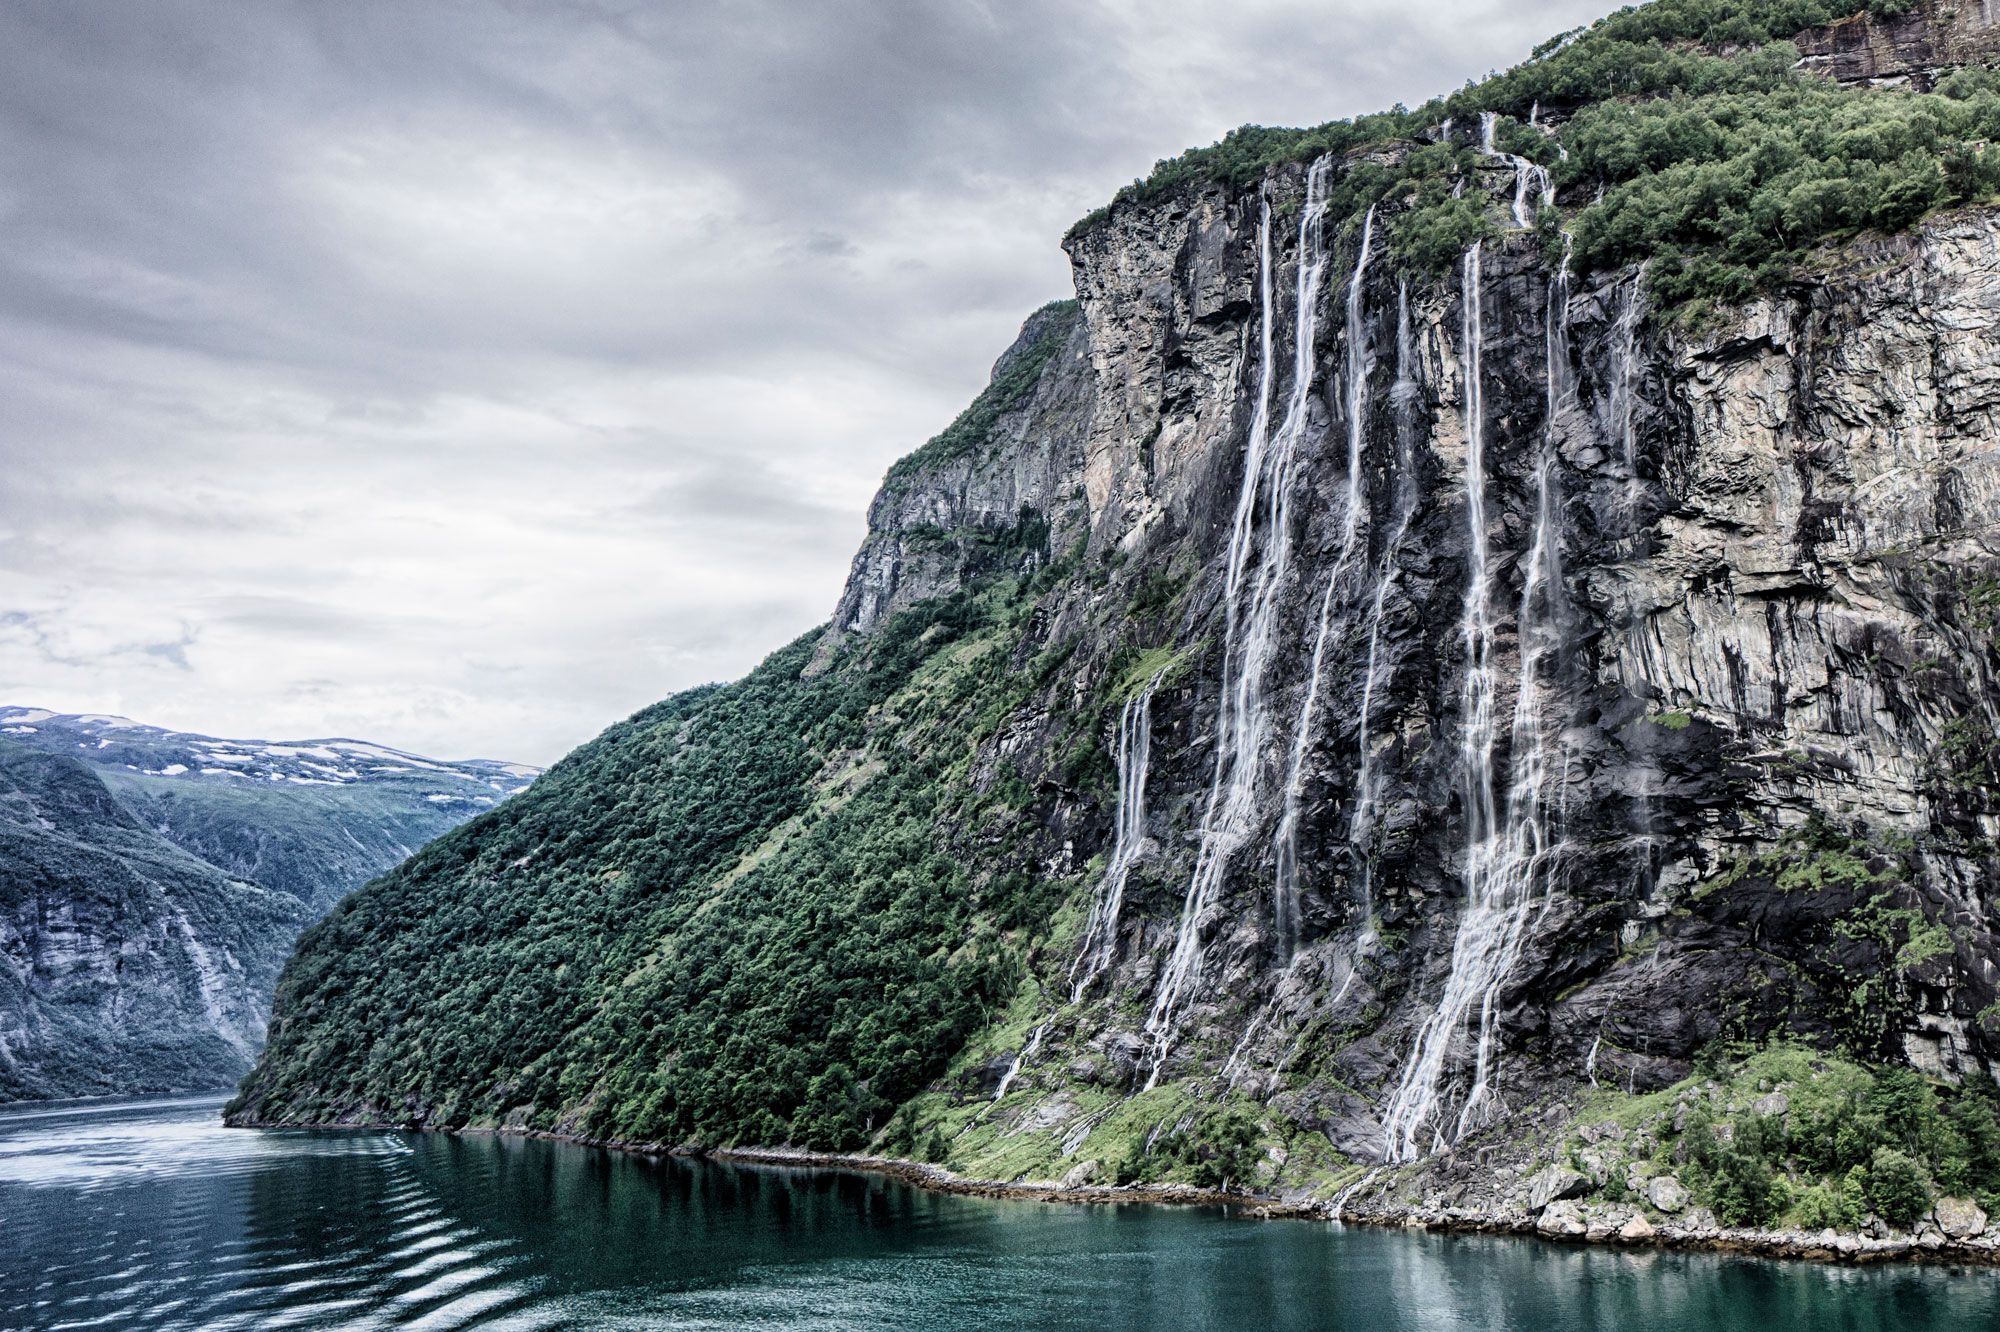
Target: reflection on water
149,1214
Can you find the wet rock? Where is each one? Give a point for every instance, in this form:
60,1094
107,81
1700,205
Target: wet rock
1960,1218
1562,1217
1554,1183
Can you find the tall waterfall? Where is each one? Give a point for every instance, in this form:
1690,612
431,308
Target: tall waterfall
1508,840
1354,395
1367,782
1528,176
1623,393
1270,467
1135,747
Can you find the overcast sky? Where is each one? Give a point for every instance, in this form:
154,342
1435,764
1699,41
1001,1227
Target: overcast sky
464,376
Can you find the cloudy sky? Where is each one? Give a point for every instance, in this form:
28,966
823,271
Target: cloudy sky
464,375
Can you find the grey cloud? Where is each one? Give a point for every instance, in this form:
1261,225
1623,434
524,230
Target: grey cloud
466,374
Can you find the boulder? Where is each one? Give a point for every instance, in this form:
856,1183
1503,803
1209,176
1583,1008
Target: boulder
1638,1228
1553,1183
1561,1217
1772,1106
1960,1218
1665,1193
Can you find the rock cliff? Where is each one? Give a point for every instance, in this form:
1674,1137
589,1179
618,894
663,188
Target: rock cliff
126,964
153,882
1383,711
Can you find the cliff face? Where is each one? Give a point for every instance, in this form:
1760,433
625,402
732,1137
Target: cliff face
1913,47
1706,754
126,965
1388,708
153,881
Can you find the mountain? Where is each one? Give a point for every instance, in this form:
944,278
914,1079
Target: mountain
151,884
1457,682
313,818
125,962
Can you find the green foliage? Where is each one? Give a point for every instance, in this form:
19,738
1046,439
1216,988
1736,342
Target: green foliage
1898,1188
1220,1149
728,919
1697,142
1008,390
1820,1157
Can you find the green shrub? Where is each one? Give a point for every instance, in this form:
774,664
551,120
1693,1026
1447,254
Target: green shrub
1898,1188
1819,1208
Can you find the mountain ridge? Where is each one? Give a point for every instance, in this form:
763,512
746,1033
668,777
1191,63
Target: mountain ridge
152,881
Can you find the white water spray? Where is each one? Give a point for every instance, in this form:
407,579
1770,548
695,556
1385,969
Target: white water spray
1508,841
1270,467
1354,393
1135,747
1529,177
1623,392
1014,1069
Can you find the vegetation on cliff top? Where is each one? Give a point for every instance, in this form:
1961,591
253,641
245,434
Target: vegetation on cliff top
1679,133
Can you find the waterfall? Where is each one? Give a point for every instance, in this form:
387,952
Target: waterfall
1014,1069
1135,746
1367,782
1527,174
1622,394
1354,394
1508,841
1249,639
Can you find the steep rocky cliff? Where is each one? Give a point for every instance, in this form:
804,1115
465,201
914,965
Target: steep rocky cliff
153,881
126,964
1397,714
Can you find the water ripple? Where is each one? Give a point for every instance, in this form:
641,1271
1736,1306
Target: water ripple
151,1215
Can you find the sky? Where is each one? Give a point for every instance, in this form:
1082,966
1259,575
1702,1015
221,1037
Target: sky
464,376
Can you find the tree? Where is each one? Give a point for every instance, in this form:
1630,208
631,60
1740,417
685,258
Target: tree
1898,1188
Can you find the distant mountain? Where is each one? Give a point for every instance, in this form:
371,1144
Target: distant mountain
152,882
126,964
314,818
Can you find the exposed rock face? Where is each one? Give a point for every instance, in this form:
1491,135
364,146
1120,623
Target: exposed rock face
1960,1218
126,965
1001,499
1745,574
1914,47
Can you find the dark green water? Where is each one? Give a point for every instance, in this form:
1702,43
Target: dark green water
149,1214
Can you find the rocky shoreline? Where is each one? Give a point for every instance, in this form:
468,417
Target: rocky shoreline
1560,1220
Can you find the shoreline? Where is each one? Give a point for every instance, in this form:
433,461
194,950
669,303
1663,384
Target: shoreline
1839,1248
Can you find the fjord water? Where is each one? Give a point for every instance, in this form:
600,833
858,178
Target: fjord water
149,1214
